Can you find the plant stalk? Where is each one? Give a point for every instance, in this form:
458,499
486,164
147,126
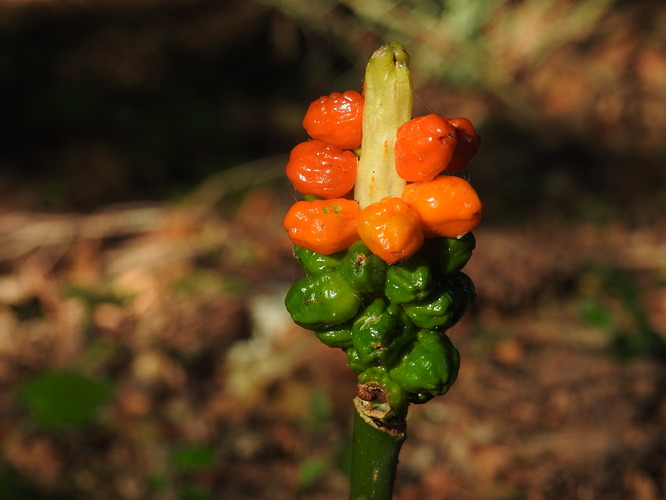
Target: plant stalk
380,416
375,452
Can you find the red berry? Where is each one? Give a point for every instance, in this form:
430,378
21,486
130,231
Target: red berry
423,147
336,119
467,145
322,169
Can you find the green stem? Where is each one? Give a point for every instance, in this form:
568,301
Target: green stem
375,452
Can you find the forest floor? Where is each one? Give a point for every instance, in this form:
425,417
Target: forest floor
214,393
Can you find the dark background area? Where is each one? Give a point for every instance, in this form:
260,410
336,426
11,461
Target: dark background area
150,98
144,348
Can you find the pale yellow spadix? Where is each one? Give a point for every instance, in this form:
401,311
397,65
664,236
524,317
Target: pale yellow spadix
389,95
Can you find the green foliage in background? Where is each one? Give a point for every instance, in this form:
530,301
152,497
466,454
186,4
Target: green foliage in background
614,303
192,458
13,487
61,399
456,41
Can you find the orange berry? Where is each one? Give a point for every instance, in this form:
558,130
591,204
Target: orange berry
391,229
336,119
467,144
322,169
323,226
423,147
448,206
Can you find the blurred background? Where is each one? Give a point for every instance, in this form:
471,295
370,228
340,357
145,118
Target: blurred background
144,349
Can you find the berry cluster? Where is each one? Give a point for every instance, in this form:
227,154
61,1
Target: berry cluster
389,319
383,233
432,204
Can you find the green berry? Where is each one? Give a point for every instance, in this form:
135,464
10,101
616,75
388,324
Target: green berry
429,367
316,263
364,270
380,332
321,301
408,281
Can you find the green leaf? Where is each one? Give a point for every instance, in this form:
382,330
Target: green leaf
594,312
13,486
322,407
193,491
627,346
310,471
194,458
61,399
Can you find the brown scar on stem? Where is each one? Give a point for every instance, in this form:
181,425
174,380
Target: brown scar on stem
369,396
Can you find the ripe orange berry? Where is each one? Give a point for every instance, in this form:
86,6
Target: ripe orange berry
391,229
321,169
467,144
448,206
323,226
336,119
423,147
